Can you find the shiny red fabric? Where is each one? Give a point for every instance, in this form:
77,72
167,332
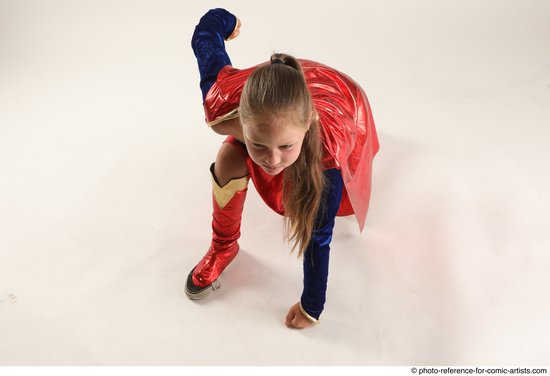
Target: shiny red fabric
347,130
226,230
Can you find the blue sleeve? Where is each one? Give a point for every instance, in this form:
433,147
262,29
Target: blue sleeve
316,256
209,46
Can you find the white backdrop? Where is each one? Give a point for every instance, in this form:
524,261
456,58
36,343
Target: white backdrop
105,190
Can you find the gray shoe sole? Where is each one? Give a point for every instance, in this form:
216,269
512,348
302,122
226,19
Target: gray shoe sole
197,293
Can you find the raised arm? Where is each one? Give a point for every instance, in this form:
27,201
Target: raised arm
208,43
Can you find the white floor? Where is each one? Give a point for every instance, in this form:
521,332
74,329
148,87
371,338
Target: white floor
105,192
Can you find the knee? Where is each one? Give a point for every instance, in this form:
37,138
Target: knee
230,164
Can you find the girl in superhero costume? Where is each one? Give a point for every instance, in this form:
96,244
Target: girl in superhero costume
304,133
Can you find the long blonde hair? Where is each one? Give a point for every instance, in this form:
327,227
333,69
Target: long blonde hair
279,89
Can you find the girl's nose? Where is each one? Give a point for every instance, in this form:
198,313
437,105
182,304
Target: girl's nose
273,158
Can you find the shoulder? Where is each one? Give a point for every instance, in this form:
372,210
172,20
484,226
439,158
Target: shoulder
223,98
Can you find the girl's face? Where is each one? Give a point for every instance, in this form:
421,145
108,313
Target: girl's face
274,147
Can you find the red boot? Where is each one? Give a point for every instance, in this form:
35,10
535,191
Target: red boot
228,202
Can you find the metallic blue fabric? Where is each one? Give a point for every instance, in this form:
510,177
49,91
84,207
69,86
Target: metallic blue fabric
209,46
316,256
